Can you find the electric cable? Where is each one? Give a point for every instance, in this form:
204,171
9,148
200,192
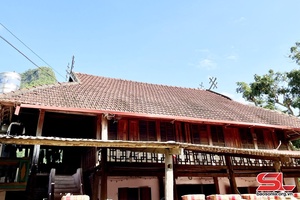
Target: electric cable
29,49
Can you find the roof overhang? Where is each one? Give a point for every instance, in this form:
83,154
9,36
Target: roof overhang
85,111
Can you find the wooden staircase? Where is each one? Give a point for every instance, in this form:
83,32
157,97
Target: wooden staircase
60,185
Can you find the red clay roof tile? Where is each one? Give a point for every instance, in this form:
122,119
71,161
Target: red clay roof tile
101,93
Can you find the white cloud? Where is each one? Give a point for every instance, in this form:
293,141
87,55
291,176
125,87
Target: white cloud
207,63
240,20
232,57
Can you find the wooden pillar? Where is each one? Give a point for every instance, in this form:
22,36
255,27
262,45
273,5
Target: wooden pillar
169,176
231,176
104,136
2,195
104,174
104,129
39,129
216,182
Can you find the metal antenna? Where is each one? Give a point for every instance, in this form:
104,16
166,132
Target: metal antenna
201,86
213,82
70,69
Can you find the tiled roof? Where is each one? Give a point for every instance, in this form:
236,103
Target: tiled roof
101,93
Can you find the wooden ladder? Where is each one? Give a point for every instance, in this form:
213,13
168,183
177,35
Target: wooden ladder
60,185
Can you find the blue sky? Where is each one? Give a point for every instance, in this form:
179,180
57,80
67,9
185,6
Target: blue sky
171,42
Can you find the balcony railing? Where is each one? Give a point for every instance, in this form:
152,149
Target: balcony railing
191,158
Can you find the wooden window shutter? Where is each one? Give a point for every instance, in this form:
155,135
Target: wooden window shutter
152,136
246,138
260,139
187,133
123,129
195,136
203,134
281,137
178,131
112,130
217,135
232,137
143,130
145,193
167,131
133,130
269,140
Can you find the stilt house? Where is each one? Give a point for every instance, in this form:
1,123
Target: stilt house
124,140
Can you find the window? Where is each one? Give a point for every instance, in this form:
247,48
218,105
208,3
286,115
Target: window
217,135
142,193
199,134
260,139
246,138
112,130
167,132
147,130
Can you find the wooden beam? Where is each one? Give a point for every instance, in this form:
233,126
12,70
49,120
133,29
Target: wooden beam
174,151
39,129
231,151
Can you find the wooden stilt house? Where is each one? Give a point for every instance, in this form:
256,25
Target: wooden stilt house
122,139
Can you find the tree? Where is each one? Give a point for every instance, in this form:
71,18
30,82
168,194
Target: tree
276,90
36,77
295,53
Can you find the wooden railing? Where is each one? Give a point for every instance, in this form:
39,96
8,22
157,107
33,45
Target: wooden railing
14,173
190,158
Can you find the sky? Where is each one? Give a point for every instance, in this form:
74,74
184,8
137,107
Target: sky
169,42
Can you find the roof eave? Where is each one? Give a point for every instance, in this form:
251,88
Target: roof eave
156,116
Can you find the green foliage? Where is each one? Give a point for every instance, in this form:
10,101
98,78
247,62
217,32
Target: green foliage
275,91
295,53
36,77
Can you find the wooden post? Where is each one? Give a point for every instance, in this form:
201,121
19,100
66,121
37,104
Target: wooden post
169,176
104,129
104,136
2,195
216,182
104,174
39,129
231,177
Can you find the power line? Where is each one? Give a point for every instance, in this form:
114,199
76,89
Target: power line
29,49
23,54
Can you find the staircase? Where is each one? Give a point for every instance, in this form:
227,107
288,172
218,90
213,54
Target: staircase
60,185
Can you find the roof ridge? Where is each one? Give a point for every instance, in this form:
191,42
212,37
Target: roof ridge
141,82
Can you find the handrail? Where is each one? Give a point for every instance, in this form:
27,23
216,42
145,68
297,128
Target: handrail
78,180
51,184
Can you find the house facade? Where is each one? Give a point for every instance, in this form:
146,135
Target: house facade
136,140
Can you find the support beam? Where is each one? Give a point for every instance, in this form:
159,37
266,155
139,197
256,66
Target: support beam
104,174
169,176
39,129
231,176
